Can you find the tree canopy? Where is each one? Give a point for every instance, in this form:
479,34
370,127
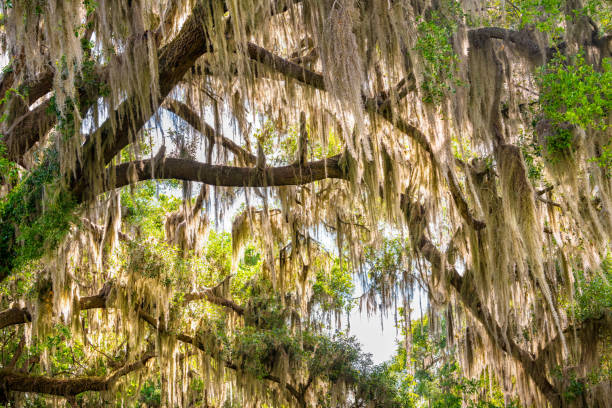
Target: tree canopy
193,193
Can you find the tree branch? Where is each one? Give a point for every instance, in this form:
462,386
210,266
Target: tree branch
231,365
228,176
210,295
34,124
380,105
14,315
522,39
17,315
65,387
469,297
16,381
183,111
174,60
593,327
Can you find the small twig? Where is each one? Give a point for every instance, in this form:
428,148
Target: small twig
549,202
110,359
545,190
353,223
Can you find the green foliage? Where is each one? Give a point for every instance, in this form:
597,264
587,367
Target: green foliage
158,261
600,11
65,352
21,282
594,293
150,394
385,263
461,148
544,15
334,290
35,218
333,146
339,359
90,6
8,169
575,389
592,301
147,205
437,381
257,350
37,213
268,342
574,92
434,44
21,93
219,256
66,125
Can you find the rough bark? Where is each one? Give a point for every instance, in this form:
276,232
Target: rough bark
14,315
64,387
227,176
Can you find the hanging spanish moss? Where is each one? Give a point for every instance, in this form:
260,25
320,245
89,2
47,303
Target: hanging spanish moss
195,193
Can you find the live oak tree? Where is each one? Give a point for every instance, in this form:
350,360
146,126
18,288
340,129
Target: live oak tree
475,132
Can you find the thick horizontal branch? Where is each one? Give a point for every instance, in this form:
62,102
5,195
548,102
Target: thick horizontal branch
64,387
521,39
212,298
525,41
96,301
228,176
174,60
14,315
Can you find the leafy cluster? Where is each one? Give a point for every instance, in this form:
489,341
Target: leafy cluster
36,234
545,16
604,160
8,169
335,289
386,263
434,43
435,378
594,293
574,94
